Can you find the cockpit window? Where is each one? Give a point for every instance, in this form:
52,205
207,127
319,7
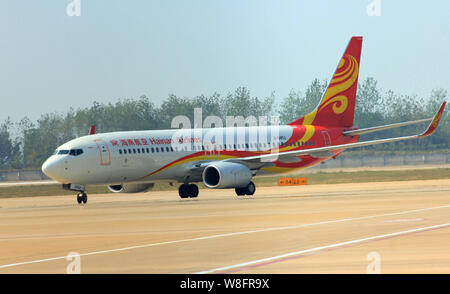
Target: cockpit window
76,152
73,152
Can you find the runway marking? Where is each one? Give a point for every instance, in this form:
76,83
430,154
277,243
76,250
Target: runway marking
291,254
27,183
226,235
404,220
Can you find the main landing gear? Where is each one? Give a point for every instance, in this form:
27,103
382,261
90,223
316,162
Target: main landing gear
249,190
82,198
191,190
188,191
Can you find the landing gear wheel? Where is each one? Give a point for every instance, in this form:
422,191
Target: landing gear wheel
188,191
183,191
193,189
240,191
82,198
250,189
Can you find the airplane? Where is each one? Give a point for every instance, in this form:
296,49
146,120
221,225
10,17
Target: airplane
132,162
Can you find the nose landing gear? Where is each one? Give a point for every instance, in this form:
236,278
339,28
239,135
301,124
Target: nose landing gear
82,198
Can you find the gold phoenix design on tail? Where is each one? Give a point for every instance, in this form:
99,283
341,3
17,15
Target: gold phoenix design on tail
344,78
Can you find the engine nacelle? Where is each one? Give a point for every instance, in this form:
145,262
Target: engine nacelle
130,188
223,175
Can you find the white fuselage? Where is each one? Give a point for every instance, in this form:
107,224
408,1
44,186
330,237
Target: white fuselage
148,156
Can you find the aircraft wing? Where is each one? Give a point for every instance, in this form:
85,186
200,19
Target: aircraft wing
319,152
358,132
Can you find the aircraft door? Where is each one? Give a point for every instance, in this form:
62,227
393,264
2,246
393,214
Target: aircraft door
326,137
104,152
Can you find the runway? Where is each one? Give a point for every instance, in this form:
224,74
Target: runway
392,227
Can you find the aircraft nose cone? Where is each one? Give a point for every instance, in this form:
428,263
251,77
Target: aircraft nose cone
51,168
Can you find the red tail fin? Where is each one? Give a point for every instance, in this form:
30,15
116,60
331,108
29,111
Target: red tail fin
338,102
92,131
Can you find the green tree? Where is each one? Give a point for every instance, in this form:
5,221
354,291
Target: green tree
240,103
294,106
6,146
289,107
313,96
370,105
173,107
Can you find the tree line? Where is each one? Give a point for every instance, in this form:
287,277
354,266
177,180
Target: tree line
26,144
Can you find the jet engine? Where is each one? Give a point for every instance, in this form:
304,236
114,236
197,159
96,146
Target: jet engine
223,175
130,188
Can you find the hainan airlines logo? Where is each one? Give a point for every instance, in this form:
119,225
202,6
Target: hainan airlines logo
343,79
335,96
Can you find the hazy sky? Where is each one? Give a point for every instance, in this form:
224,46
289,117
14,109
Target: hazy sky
50,61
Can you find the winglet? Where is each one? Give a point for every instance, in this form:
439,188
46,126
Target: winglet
435,122
92,131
